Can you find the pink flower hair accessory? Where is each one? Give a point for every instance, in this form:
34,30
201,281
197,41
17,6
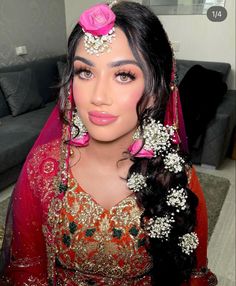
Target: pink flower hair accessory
155,139
98,20
98,23
137,150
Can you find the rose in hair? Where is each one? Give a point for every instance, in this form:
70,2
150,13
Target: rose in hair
98,20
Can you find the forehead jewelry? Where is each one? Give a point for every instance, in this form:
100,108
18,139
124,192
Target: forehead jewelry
98,26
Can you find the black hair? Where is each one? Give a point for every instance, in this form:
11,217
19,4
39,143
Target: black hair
151,48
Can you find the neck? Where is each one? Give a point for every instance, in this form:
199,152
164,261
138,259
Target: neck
106,153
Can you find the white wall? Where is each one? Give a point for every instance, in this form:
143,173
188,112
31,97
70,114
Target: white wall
38,25
200,39
73,9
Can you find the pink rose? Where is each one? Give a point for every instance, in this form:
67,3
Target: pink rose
137,151
98,20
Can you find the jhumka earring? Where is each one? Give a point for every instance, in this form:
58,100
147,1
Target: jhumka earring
79,133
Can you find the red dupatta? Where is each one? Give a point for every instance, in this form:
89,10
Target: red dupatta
24,254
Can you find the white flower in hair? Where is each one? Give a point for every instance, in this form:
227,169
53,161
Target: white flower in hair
157,136
173,162
177,198
189,242
136,182
159,227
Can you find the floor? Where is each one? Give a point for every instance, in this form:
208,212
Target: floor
221,249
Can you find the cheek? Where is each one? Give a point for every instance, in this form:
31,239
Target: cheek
75,92
78,94
133,98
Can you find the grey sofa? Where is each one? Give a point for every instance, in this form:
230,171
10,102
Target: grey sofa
213,140
18,132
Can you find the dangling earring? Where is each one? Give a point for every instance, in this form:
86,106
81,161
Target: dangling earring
79,133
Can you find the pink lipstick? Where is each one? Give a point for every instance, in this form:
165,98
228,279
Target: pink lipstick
101,118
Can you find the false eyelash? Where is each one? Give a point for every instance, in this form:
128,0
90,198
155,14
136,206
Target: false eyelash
81,69
131,75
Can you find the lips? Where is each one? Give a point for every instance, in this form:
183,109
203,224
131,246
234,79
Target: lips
101,118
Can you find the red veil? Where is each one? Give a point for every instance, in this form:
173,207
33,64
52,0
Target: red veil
27,255
24,254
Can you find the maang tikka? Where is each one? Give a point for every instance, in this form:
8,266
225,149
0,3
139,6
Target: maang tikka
98,25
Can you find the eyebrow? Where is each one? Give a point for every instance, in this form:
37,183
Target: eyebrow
112,64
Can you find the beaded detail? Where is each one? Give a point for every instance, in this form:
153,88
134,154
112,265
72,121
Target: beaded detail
78,126
96,45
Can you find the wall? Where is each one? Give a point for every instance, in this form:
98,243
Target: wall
73,9
39,25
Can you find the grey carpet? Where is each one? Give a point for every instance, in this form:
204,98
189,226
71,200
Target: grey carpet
215,190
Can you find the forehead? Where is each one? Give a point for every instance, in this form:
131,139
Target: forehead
119,48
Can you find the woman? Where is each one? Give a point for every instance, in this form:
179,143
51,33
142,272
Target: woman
107,195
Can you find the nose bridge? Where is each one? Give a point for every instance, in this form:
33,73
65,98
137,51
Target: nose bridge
101,94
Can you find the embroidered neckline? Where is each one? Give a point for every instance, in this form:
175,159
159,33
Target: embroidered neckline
74,185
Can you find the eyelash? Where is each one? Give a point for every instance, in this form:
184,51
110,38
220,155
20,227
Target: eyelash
78,71
128,74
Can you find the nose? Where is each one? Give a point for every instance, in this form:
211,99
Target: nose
101,93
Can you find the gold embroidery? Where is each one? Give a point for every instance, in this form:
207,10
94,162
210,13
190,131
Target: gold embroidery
100,242
66,278
27,261
42,170
81,235
34,281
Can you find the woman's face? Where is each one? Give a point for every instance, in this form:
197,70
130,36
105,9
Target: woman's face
106,90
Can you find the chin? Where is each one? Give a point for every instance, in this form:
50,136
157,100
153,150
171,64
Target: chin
108,137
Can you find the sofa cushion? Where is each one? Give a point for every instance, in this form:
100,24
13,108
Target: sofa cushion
201,91
17,135
20,90
4,109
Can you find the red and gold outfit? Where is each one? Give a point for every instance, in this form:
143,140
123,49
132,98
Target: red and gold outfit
57,237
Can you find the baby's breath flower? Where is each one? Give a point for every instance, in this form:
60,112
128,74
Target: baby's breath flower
136,182
177,198
173,162
157,137
189,242
160,227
